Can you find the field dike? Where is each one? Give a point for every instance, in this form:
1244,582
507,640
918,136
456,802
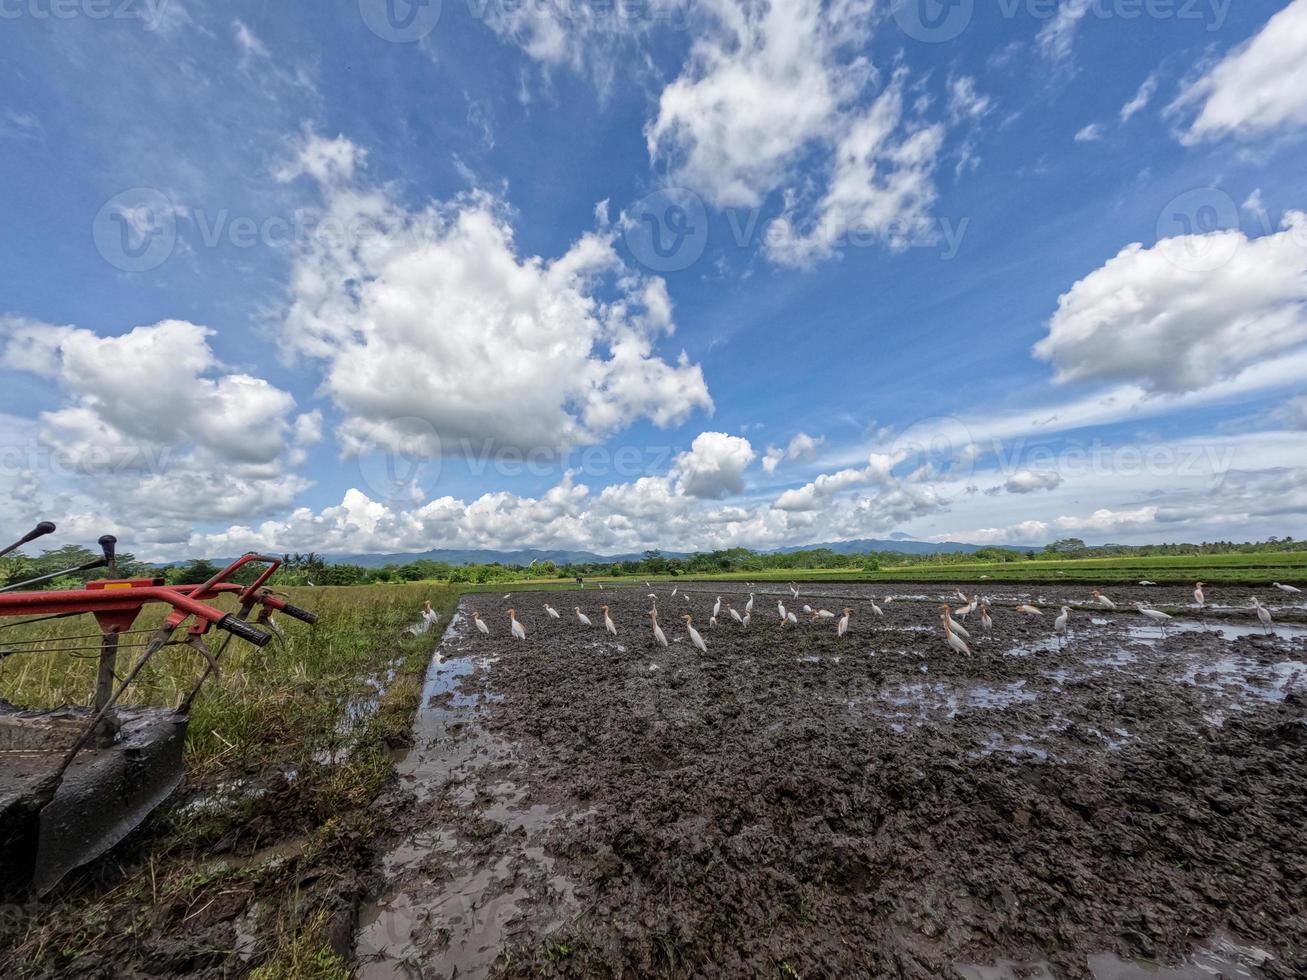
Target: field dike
1120,804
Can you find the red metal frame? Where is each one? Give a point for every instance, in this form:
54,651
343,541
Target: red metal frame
116,603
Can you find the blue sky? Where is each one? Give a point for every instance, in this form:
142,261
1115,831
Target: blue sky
710,273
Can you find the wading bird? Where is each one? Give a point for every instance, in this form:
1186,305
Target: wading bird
659,636
875,609
794,587
960,594
734,615
553,613
1059,624
807,609
1154,615
1029,610
747,616
951,623
712,620
748,606
1146,582
1286,588
955,642
1199,598
581,617
716,607
822,614
518,629
1264,615
780,608
608,621
695,638
1103,600
844,621
985,621
481,623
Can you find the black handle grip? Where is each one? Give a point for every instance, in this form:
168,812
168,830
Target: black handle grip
303,615
42,529
238,627
107,544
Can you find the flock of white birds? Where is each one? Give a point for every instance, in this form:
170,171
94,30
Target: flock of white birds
956,636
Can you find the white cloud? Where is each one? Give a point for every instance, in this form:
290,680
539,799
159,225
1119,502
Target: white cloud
964,102
1259,87
772,458
1028,481
804,447
248,42
1140,99
1294,412
714,467
762,82
1090,133
153,429
439,336
1151,317
881,188
1056,37
773,94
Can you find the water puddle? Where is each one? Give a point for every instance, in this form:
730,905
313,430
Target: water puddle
1220,958
471,872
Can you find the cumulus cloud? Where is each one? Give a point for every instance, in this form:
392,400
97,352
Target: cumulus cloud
770,87
804,447
1028,481
714,467
772,458
1258,88
152,414
438,336
1153,317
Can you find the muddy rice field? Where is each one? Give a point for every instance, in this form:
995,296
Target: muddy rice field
792,803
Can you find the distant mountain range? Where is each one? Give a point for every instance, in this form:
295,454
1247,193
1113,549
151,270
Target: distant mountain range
482,556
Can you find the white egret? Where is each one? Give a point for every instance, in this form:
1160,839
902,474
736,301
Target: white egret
608,621
1155,615
553,613
748,606
955,642
481,623
985,621
1103,600
876,610
822,614
1286,588
695,638
1264,615
518,629
1146,582
843,626
747,616
1029,610
734,614
1060,624
780,608
716,607
659,636
794,587
581,617
952,624
1199,598
807,609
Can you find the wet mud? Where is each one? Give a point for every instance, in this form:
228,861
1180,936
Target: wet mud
1118,804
